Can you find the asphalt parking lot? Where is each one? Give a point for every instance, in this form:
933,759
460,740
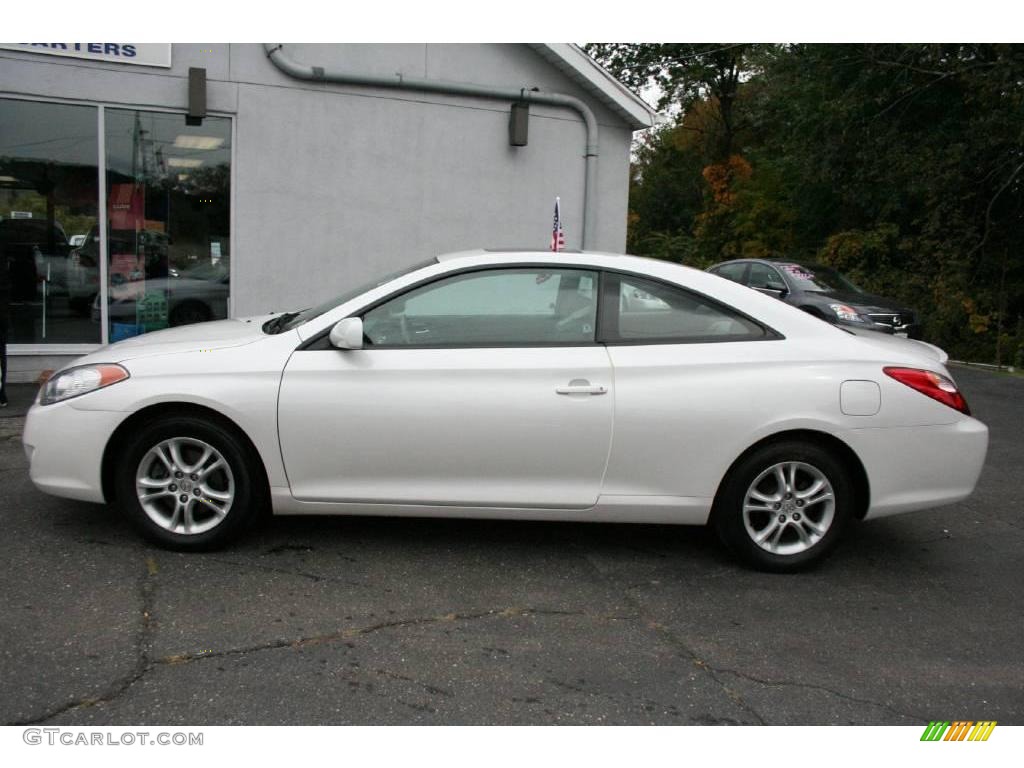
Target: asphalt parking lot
359,620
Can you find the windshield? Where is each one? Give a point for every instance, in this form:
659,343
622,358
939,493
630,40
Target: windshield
814,277
295,319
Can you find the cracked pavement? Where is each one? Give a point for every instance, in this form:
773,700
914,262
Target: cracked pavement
388,621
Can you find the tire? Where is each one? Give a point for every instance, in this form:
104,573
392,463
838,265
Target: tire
795,530
202,462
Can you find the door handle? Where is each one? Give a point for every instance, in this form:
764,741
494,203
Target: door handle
581,387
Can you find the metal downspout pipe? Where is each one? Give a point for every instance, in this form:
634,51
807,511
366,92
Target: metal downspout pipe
320,75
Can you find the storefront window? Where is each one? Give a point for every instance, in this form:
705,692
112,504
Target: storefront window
48,205
168,220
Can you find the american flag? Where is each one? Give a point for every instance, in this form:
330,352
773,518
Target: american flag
557,236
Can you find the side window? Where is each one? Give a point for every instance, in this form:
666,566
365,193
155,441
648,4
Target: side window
494,307
763,276
655,312
732,272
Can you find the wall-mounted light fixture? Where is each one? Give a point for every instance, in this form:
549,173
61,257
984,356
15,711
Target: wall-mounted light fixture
519,124
196,96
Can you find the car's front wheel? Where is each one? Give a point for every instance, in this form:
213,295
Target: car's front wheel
784,506
186,482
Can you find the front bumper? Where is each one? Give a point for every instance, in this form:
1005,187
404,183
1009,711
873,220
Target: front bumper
911,468
65,445
907,330
910,331
902,323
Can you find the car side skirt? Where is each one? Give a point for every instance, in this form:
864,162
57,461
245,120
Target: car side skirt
672,510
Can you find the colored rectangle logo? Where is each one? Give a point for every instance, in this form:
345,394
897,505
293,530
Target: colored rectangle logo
958,730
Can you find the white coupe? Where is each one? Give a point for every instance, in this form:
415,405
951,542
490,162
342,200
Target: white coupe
516,385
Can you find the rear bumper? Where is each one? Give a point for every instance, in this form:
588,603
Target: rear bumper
65,447
911,468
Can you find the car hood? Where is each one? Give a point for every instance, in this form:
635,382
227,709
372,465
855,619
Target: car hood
898,347
217,334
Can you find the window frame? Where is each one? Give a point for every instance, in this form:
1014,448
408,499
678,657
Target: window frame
608,314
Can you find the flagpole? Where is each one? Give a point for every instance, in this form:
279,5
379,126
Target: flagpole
558,220
556,227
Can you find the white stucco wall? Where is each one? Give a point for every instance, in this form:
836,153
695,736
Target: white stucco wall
366,180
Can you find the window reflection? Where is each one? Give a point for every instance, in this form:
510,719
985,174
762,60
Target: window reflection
48,195
168,219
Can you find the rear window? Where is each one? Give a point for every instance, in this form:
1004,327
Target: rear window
732,272
658,313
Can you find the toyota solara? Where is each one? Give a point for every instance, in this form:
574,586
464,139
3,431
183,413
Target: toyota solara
516,385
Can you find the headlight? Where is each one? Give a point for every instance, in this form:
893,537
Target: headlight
843,312
79,381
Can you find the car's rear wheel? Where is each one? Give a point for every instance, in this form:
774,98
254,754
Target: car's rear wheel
187,483
784,506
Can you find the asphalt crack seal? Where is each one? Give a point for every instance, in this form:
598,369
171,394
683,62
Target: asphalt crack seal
143,649
674,640
816,687
715,672
144,642
354,632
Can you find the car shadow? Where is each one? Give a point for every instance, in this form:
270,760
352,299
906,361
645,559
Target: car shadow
877,549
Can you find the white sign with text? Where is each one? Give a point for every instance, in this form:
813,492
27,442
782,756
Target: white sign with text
146,54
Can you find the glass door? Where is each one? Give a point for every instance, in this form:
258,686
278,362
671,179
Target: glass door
48,207
168,220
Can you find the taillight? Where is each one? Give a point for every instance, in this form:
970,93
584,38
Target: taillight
934,385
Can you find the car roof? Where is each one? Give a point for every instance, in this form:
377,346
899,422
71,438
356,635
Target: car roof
501,252
775,263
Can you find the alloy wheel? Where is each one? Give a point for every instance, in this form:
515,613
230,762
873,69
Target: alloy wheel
185,485
789,508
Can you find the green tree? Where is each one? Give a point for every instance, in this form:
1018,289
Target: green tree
687,74
704,85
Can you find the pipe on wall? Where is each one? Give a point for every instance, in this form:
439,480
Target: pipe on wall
300,71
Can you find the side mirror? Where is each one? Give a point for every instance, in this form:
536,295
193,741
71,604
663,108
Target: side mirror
773,289
348,333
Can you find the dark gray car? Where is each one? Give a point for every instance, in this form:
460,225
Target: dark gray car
824,292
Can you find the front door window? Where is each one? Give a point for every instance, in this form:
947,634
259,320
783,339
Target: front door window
499,307
763,277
